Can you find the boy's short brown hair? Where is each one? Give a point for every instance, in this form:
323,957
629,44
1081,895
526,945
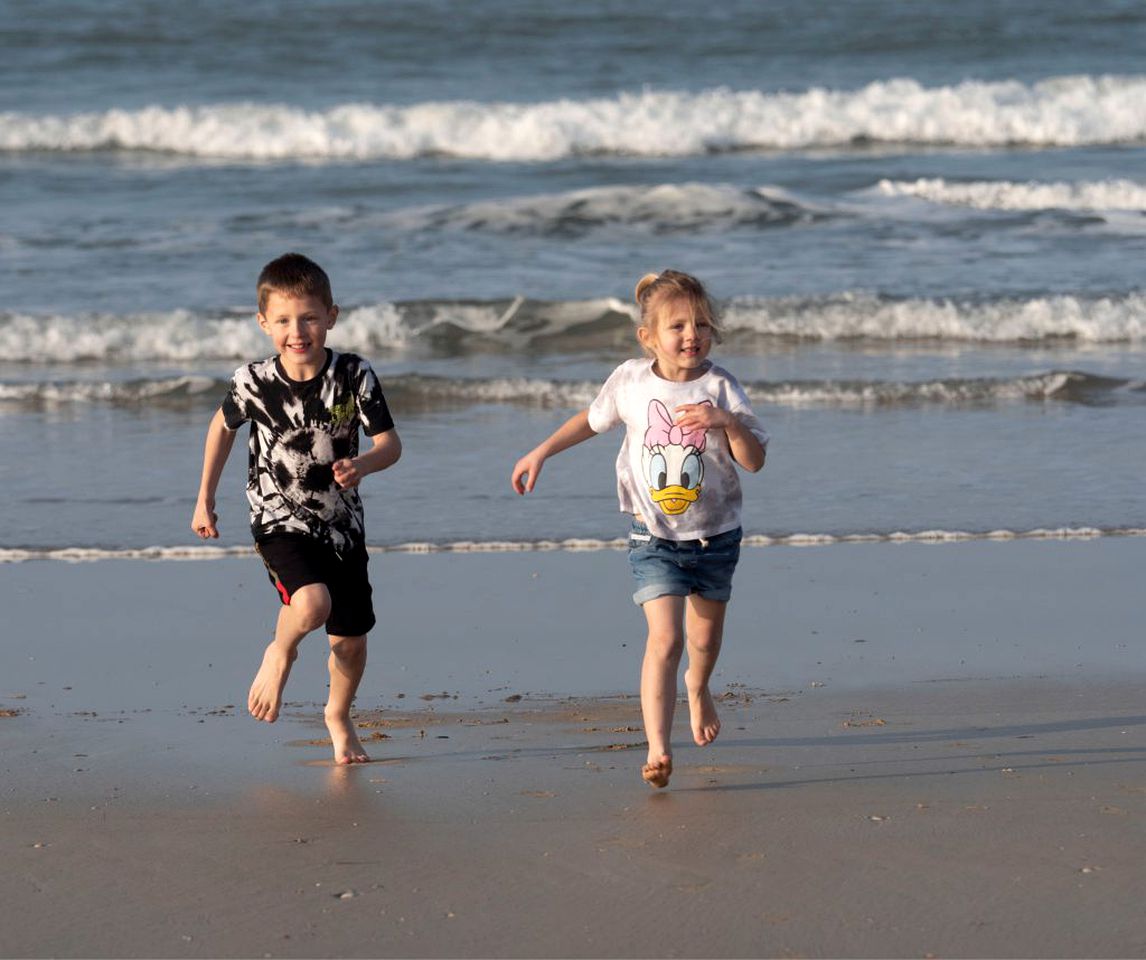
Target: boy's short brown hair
294,275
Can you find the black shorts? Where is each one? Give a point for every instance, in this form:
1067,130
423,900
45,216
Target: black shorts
295,560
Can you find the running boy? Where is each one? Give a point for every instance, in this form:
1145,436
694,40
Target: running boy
305,405
688,425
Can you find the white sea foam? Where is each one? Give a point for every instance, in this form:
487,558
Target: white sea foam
1095,196
178,335
1061,111
1052,385
157,553
125,392
867,316
184,336
418,391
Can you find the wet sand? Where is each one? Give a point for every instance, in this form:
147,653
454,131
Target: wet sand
969,780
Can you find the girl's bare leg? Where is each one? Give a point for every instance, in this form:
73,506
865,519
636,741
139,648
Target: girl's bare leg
347,663
308,610
704,627
663,651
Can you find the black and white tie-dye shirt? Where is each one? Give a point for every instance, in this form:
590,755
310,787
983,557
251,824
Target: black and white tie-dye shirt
298,430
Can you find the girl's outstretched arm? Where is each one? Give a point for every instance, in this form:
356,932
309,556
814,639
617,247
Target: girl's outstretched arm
572,432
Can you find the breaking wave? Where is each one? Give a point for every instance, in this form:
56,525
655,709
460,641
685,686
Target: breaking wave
867,316
1093,196
1061,111
663,208
418,392
183,336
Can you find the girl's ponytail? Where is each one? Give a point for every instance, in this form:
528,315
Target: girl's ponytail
643,284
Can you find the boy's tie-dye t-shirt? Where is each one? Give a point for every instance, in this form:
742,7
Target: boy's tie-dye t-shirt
298,430
684,485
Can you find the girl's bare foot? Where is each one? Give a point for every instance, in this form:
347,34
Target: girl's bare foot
347,746
657,771
702,715
266,694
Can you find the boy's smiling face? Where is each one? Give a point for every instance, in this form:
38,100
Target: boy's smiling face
297,327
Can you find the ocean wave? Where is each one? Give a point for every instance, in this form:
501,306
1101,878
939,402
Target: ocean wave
1060,111
571,325
416,392
1095,196
1060,385
861,316
663,209
938,536
179,390
184,336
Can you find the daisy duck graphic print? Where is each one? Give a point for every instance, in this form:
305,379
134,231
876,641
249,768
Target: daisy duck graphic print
671,460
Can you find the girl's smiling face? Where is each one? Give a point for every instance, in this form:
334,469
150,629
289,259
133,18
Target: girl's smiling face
679,338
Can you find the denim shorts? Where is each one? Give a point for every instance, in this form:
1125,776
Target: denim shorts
677,568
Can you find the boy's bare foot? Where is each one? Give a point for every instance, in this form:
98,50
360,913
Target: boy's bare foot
657,771
347,747
702,714
266,694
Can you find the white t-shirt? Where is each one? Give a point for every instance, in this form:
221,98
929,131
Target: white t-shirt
684,485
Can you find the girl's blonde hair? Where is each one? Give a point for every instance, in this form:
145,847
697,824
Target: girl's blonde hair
654,289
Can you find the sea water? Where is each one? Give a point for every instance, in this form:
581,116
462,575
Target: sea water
925,226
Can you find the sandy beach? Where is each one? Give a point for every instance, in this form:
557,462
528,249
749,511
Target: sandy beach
927,751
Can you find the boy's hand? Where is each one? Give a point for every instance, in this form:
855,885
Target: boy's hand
346,473
204,521
529,468
701,416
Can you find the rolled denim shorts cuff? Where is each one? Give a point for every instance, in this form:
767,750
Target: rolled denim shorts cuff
651,591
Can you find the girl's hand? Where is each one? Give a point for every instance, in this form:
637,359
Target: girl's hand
701,416
528,467
346,473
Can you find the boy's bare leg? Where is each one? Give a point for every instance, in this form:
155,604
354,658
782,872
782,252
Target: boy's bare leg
704,627
308,610
347,663
658,684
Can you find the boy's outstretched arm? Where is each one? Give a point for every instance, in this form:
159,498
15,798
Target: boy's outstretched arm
572,432
385,450
215,452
